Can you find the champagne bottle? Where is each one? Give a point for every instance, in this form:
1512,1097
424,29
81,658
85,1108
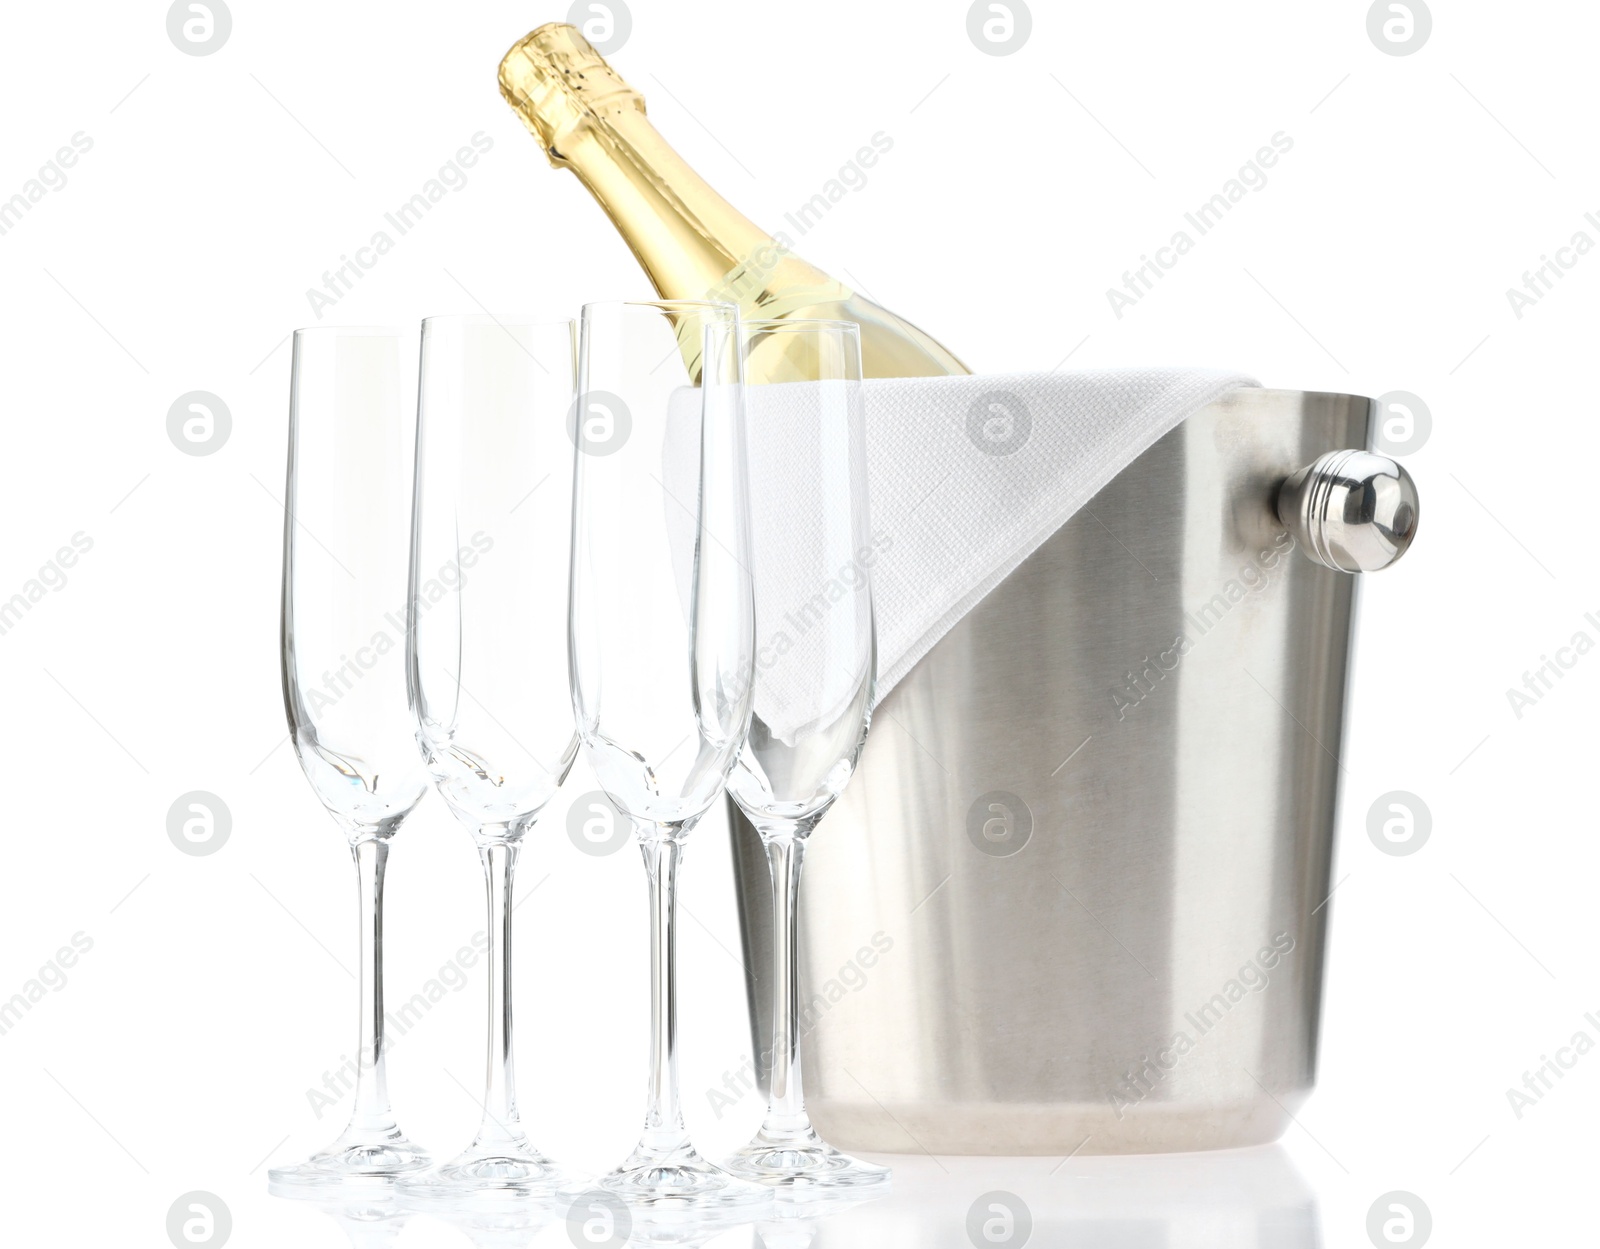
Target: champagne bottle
690,241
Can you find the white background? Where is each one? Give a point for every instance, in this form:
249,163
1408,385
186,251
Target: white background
219,188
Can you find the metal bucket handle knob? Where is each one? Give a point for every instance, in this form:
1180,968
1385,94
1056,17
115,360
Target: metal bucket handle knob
1352,511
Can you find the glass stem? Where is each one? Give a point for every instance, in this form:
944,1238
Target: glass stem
372,1115
663,1124
786,1108
500,1122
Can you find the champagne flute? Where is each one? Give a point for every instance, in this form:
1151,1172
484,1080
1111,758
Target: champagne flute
816,660
661,640
344,598
486,651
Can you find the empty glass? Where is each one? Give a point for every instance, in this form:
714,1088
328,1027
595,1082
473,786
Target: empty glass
661,639
343,645
487,650
813,548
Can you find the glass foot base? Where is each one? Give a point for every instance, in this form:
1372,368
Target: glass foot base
487,1170
361,1163
678,1180
803,1164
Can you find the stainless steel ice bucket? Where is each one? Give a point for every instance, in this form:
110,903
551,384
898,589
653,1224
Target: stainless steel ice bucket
1076,897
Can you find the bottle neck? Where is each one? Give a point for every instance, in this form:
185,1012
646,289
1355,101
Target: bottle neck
691,242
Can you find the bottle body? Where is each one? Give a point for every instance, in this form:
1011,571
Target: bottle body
691,243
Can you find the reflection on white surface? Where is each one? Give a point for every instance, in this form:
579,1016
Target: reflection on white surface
370,1220
791,1224
514,1225
1234,1199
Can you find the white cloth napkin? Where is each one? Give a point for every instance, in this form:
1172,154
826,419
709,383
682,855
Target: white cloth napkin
970,475
967,477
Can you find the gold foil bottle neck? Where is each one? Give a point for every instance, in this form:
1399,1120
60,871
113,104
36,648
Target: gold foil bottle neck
556,81
689,240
